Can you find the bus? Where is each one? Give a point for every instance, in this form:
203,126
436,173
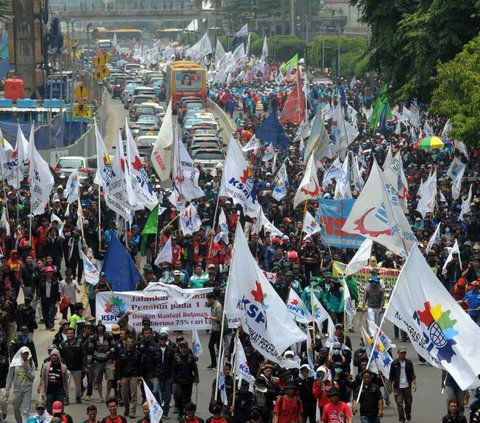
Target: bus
104,45
125,37
172,34
185,79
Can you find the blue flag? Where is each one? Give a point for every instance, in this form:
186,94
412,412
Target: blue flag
119,268
271,131
343,98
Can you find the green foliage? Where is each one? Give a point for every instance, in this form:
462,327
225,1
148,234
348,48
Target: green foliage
280,47
227,41
353,54
5,10
457,95
409,38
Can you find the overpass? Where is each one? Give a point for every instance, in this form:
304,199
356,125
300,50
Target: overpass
100,15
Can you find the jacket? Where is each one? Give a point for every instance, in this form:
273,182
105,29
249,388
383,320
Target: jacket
16,377
395,368
128,363
99,352
184,369
72,354
163,368
44,378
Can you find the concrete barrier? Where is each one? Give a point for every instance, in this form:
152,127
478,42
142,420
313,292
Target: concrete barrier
227,124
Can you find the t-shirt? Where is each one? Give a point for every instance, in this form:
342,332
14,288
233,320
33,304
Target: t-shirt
473,300
336,413
291,408
54,378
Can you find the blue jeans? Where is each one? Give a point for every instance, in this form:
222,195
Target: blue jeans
162,389
365,419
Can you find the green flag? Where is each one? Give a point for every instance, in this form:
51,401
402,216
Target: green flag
291,64
382,100
150,228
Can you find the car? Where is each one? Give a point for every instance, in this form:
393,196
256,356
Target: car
132,68
139,99
209,157
127,93
206,138
203,146
150,122
67,164
148,109
141,90
186,107
191,134
118,84
145,144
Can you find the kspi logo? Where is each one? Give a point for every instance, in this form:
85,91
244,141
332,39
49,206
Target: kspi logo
114,309
256,309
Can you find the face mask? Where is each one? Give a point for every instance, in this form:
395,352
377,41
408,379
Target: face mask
216,410
338,370
336,352
364,348
447,230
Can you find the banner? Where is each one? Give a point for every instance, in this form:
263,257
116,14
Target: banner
332,214
162,309
389,277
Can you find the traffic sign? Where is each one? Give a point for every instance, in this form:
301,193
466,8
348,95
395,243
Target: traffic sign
81,91
101,73
101,59
80,110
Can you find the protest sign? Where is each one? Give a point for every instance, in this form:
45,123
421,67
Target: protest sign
331,215
389,277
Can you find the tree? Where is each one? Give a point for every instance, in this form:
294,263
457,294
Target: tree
5,10
280,47
409,38
457,95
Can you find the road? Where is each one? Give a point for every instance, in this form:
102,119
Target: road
429,405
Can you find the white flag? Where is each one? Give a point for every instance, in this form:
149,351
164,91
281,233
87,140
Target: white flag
318,140
297,308
252,144
457,184
243,32
374,329
274,231
197,348
223,228
41,179
446,128
92,275
190,221
434,239
5,222
237,182
156,411
264,56
253,299
140,180
161,156
451,250
280,182
104,164
165,255
428,195
360,259
455,167
388,159
243,369
466,205
377,215
347,299
333,172
15,166
319,312
342,189
381,358
310,225
72,187
438,328
356,176
394,175
309,188
221,380
269,153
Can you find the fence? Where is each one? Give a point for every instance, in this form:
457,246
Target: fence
85,146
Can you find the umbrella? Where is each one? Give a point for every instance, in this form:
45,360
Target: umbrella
432,142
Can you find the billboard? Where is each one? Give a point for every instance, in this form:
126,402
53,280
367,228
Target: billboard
190,80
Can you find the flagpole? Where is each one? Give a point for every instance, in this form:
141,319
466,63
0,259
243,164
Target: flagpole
99,216
235,373
312,293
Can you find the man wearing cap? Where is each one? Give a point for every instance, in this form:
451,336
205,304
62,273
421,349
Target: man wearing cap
371,400
26,316
472,299
374,299
128,373
162,383
77,320
310,258
71,351
101,286
54,380
21,375
336,411
402,376
41,415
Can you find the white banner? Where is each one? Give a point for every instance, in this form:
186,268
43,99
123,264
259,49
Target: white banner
162,309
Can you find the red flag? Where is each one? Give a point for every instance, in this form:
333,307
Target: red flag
294,109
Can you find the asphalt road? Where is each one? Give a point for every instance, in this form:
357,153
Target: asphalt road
429,405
